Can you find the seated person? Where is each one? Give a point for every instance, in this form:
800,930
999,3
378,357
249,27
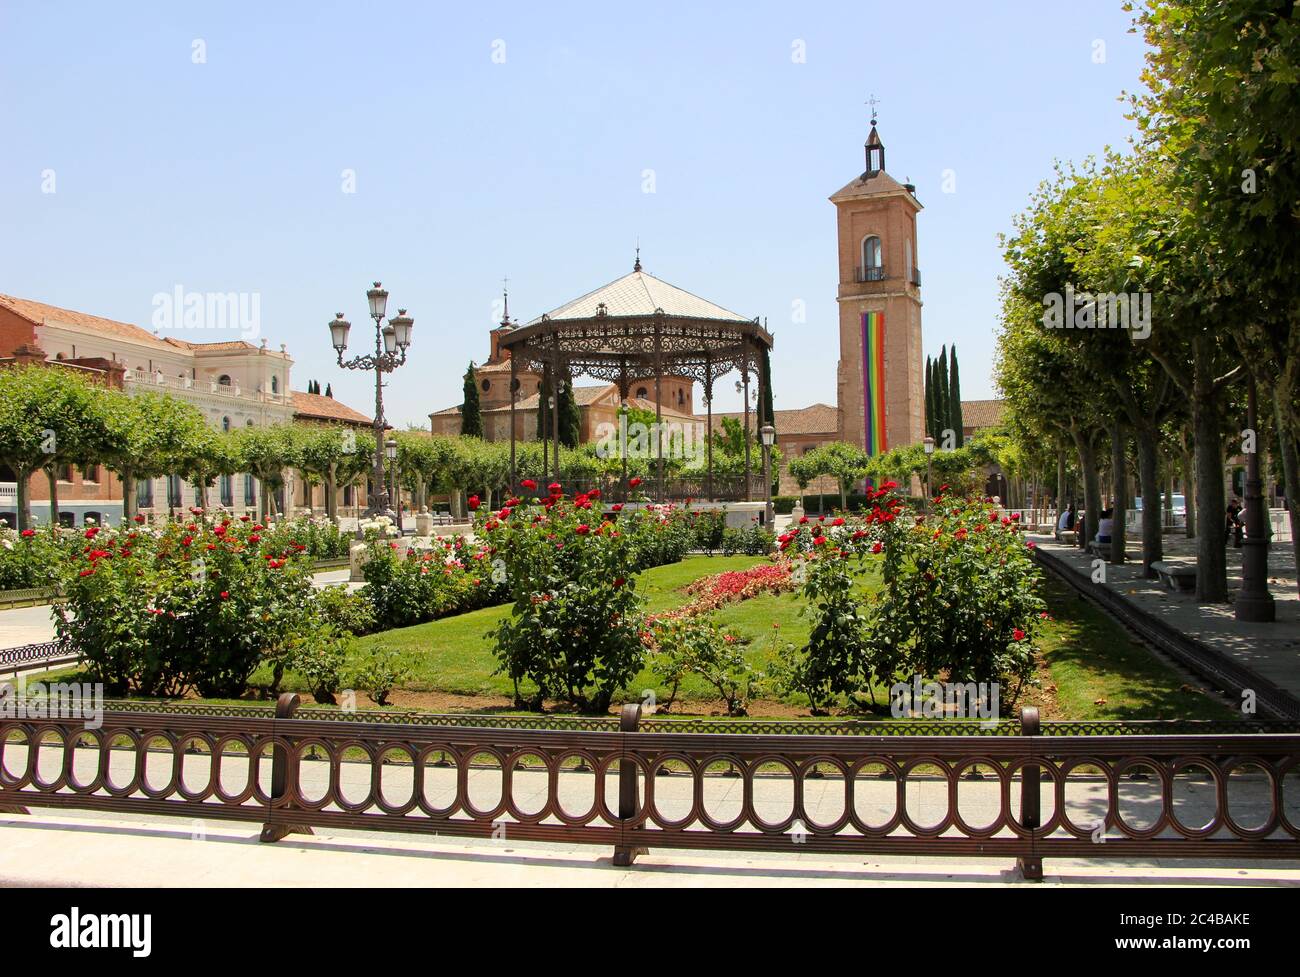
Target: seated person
1066,522
1106,526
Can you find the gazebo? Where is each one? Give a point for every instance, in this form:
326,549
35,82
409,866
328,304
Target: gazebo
637,329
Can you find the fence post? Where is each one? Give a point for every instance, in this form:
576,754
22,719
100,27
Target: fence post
1031,866
285,707
628,721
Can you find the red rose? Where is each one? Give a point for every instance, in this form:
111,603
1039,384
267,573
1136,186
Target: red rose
225,595
634,482
582,529
876,547
554,488
529,484
619,581
473,503
139,518
28,533
187,540
617,507
1017,635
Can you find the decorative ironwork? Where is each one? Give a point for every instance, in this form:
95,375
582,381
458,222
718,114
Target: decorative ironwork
632,788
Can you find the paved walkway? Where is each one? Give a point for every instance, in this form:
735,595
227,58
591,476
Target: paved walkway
30,625
1271,650
48,850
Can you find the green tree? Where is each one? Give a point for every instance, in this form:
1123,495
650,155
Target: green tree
49,416
955,419
471,418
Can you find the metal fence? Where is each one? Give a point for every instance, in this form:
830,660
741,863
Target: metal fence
1025,796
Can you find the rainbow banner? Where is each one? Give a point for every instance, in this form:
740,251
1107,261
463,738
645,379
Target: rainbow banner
873,381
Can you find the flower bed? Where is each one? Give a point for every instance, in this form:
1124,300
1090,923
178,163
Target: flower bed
714,591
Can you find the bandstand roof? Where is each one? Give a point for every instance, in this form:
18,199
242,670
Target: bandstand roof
635,327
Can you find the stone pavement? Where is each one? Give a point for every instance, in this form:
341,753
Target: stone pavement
1271,650
44,849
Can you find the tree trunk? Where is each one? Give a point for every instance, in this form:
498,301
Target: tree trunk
129,507
1119,494
52,474
1091,487
1290,472
331,503
24,513
1211,556
201,489
1061,488
1149,476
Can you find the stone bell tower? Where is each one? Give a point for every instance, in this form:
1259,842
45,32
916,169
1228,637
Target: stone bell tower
881,383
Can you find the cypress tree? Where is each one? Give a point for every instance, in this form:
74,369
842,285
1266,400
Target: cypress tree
954,398
570,418
329,390
929,396
766,415
471,419
941,395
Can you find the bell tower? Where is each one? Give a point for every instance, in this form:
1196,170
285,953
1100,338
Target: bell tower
881,385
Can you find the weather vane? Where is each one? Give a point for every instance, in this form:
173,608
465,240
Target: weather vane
873,102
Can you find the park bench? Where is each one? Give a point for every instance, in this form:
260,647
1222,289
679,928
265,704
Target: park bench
1176,576
1068,536
1101,550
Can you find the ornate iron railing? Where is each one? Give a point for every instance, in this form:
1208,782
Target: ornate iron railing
41,654
1026,796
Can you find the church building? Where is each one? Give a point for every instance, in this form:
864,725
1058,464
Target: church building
881,383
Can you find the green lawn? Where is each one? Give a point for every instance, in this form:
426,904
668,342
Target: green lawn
1093,668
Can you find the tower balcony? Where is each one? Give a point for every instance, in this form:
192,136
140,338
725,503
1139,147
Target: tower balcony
875,273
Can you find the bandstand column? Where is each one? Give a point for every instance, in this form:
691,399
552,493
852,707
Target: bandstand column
745,379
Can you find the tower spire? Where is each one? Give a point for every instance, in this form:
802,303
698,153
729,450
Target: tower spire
875,149
636,266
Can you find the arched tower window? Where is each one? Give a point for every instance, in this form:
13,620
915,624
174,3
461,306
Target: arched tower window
225,424
873,269
275,384
224,380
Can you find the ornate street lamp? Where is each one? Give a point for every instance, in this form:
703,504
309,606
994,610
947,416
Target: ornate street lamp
768,434
391,343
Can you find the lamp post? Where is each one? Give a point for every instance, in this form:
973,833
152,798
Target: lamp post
391,484
391,343
929,450
768,434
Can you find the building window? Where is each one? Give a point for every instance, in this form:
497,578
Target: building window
224,379
487,385
225,424
90,473
174,491
275,385
872,267
250,491
144,493
642,393
681,398
227,491
65,473
248,423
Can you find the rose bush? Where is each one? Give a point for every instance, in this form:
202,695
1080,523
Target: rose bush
406,587
959,599
575,623
31,558
188,606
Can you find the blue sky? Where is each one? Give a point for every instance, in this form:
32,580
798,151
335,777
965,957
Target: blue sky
228,175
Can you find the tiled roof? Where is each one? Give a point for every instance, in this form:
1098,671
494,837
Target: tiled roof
39,312
815,419
236,344
982,413
638,294
584,396
320,407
